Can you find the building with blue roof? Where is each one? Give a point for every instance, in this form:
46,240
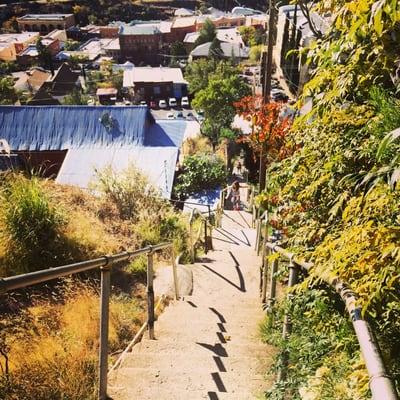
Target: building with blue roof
74,141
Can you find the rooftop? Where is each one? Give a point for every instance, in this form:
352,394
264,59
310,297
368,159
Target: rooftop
184,22
229,35
228,50
45,17
106,92
7,38
140,29
152,74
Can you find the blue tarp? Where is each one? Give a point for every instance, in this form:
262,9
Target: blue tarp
68,127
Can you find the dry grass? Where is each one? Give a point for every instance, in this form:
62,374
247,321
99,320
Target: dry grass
50,335
54,354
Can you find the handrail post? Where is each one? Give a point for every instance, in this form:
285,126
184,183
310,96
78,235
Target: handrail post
287,323
205,237
272,287
264,276
192,255
150,295
104,320
175,274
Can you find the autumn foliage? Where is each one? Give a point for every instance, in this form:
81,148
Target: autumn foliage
269,127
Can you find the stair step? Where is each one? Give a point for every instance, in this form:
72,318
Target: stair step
199,379
182,362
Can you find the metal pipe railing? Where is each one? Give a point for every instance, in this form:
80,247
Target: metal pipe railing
380,383
105,265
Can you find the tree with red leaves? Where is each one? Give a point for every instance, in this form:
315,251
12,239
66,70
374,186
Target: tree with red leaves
268,130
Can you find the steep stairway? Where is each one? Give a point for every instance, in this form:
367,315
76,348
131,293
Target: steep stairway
207,344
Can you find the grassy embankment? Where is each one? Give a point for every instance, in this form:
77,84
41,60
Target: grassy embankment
49,334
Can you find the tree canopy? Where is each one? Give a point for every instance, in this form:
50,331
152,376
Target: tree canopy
207,33
224,88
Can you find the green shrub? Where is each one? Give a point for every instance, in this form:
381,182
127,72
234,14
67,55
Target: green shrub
200,172
130,190
322,342
31,227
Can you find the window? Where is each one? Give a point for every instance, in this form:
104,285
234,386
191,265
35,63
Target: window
157,90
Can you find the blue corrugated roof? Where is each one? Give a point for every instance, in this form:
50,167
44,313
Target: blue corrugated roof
69,127
166,133
157,163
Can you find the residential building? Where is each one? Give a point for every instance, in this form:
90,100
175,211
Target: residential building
107,96
82,34
30,81
29,56
11,44
233,51
45,22
148,83
227,35
181,27
61,83
77,140
140,43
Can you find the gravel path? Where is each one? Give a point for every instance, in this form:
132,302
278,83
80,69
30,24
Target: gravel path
207,344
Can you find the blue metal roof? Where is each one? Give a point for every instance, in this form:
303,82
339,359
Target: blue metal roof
166,133
157,163
69,127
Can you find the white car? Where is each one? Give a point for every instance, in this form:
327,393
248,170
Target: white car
172,102
170,116
162,104
143,103
185,101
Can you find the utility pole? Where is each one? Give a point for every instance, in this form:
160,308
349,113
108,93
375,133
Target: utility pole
267,85
270,45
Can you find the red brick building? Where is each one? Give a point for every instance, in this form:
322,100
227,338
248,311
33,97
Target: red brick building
141,43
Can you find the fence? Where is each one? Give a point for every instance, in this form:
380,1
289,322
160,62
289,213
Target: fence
104,264
381,385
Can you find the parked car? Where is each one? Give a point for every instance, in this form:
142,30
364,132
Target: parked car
162,104
128,103
170,116
153,104
172,102
179,115
143,103
190,116
185,101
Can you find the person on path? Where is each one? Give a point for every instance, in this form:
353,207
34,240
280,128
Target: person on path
234,195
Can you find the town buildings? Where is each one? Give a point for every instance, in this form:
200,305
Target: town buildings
11,44
45,23
153,84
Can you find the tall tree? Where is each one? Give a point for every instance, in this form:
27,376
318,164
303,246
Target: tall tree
45,58
268,130
207,33
217,100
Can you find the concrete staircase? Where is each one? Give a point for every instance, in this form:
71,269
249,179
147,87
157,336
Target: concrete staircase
207,344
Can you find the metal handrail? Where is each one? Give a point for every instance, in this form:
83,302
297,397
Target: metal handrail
104,264
380,382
